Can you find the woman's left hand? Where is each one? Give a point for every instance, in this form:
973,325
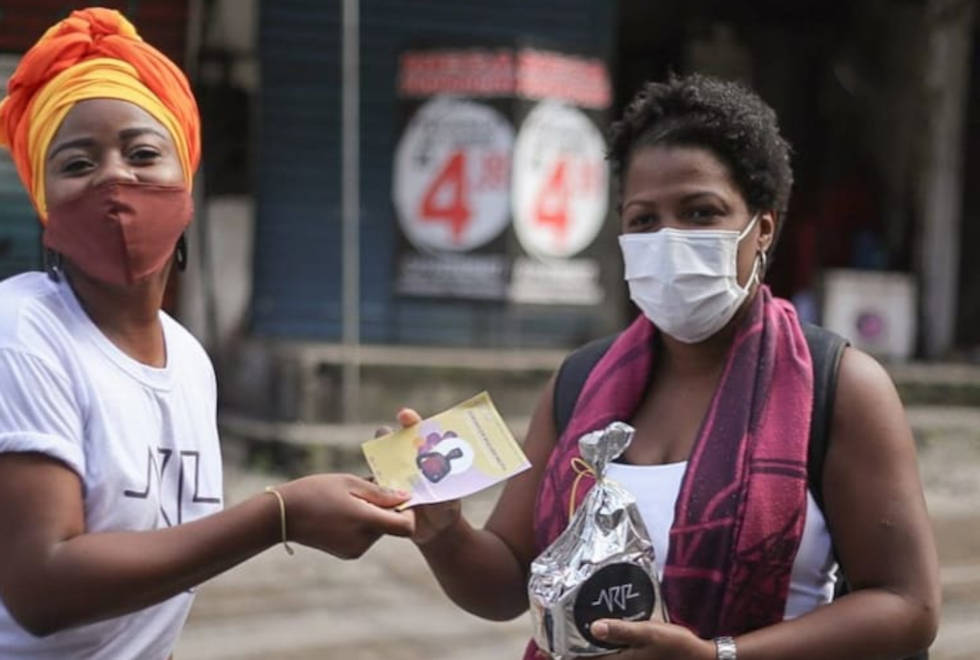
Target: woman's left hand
653,640
430,519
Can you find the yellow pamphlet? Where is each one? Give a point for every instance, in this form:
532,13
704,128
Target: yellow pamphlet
448,456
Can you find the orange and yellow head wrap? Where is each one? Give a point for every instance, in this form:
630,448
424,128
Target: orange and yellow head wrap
94,53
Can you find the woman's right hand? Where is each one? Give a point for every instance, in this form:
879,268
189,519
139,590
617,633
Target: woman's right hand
342,514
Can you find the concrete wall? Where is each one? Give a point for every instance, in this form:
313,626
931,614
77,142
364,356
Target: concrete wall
216,288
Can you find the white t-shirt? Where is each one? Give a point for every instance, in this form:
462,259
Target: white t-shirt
143,441
656,488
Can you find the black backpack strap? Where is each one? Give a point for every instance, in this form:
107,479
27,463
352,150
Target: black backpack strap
571,378
826,349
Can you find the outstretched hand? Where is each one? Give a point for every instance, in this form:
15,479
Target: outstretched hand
342,514
430,519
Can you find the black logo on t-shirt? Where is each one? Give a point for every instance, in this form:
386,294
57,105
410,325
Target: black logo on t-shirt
617,591
158,472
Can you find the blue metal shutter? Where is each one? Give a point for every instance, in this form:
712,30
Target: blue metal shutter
297,266
20,232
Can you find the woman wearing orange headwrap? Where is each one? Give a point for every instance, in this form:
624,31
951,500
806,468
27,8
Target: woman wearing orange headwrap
110,471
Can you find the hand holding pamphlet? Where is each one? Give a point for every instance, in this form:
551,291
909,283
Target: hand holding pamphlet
448,456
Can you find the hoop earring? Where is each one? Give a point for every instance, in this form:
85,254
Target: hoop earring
763,266
180,254
52,264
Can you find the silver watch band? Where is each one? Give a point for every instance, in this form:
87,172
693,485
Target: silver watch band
725,648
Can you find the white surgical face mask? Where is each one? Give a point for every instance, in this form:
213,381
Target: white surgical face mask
686,280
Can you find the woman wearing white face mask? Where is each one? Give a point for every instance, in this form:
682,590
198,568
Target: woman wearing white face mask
717,377
686,280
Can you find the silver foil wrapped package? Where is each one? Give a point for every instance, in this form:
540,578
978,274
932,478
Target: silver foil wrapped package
601,567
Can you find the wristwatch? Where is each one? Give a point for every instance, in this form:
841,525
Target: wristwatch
725,648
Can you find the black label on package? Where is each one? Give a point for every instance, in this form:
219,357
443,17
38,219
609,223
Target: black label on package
617,591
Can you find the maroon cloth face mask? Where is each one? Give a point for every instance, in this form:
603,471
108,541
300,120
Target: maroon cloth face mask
117,232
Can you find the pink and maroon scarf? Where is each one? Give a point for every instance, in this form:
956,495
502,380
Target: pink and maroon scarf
740,512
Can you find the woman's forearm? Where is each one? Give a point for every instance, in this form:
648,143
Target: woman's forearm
96,576
478,571
863,625
55,574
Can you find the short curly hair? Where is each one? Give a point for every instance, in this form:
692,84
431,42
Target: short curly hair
724,117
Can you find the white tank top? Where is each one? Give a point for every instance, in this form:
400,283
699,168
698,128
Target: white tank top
656,488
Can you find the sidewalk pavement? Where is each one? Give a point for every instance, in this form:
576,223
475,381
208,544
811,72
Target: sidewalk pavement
387,605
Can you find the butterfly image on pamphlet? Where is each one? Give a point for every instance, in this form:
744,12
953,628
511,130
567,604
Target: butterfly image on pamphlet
448,456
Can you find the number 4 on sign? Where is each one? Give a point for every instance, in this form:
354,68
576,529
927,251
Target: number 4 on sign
446,198
551,206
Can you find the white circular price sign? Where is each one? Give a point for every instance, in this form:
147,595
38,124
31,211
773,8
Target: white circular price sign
452,175
560,181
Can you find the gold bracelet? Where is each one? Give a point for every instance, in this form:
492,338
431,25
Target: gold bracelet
282,516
